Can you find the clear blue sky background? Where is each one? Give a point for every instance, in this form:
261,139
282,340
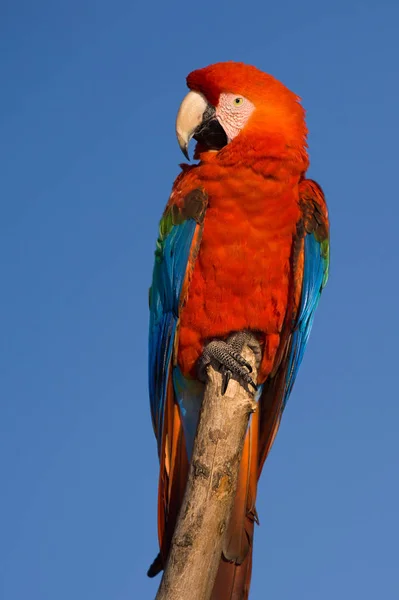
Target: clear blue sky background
89,93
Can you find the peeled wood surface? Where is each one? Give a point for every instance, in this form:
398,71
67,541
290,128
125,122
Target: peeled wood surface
196,548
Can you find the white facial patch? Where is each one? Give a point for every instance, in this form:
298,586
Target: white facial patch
233,112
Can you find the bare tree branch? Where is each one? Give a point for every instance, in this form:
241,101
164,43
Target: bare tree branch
196,547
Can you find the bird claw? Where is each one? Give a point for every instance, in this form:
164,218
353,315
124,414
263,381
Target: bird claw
231,363
226,376
240,339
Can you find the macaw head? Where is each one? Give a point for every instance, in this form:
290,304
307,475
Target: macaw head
231,103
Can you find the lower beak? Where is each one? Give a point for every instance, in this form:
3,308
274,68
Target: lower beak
197,119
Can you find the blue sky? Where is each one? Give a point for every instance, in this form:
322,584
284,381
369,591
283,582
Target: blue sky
89,94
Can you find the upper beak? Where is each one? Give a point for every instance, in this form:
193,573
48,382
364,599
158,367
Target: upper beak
189,118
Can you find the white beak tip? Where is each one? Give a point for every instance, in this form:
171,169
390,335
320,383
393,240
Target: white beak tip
183,143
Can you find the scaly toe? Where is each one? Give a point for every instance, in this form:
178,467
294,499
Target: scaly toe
240,339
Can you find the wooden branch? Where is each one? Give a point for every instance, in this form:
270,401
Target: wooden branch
196,547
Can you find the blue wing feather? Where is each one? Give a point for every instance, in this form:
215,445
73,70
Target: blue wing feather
172,257
314,279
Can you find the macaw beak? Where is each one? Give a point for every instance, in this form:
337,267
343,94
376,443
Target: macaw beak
197,119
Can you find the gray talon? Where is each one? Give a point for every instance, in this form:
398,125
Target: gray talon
226,376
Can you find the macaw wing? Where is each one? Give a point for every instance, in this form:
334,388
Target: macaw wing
180,234
310,271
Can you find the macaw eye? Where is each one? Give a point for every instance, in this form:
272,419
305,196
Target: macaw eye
238,101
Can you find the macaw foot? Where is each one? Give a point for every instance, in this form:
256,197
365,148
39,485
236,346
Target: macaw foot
228,357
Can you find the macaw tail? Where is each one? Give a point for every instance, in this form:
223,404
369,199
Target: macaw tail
233,580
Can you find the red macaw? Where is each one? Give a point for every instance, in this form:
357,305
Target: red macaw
243,247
